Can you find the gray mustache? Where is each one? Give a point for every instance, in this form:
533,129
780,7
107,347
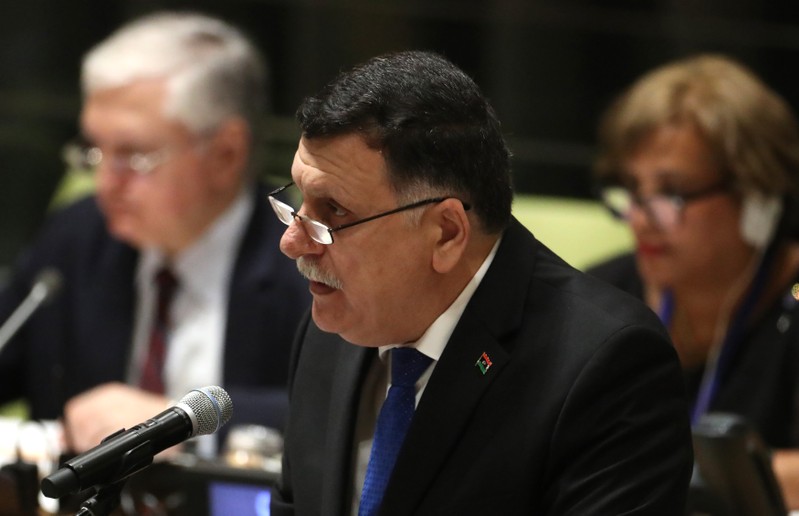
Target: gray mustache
311,271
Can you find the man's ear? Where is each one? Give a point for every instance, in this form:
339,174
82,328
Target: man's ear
452,230
230,150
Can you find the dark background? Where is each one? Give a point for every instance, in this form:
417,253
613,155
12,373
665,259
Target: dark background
549,66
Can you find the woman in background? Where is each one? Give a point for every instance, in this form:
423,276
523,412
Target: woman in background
702,159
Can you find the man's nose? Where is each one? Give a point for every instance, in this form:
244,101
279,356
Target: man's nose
296,242
107,179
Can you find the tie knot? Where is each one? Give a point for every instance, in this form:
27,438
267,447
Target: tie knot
407,365
166,281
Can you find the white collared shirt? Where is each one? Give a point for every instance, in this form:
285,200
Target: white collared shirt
198,313
432,344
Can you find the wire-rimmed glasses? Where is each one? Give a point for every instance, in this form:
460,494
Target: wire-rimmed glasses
82,157
322,233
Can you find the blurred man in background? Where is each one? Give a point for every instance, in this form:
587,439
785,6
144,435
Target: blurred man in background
171,273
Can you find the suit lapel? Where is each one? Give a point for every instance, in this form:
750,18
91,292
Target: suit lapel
258,286
102,347
116,295
249,287
255,268
449,401
350,369
458,383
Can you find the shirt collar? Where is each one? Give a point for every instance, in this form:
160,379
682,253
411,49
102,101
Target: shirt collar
205,263
435,338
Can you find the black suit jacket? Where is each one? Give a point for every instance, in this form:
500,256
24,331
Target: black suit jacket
581,412
84,337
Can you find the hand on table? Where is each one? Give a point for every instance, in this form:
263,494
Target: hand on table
95,414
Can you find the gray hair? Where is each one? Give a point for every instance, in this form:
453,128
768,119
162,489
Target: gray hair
212,71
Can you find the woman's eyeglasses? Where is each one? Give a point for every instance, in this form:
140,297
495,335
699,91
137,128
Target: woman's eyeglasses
663,209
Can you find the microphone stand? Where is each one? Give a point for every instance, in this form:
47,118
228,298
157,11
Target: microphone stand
106,498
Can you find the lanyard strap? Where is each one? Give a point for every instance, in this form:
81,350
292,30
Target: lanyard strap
718,365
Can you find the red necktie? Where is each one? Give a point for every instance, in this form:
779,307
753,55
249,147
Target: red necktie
152,373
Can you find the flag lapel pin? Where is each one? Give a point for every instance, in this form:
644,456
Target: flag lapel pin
483,363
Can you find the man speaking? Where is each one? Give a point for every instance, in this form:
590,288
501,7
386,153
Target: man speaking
453,364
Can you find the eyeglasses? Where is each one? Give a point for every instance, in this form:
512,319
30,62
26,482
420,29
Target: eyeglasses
87,158
323,233
663,209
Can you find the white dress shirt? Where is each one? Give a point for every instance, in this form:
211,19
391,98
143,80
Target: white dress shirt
198,312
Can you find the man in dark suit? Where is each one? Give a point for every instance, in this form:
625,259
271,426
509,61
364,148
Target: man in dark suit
171,108
546,392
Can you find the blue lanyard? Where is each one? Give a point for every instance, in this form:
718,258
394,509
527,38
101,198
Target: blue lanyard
666,309
713,377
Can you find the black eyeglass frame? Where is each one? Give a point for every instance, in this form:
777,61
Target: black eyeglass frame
294,214
677,200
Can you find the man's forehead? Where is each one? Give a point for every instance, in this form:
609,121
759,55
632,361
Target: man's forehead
335,150
120,116
323,162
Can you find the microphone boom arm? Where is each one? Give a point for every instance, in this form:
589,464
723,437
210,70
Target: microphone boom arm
47,285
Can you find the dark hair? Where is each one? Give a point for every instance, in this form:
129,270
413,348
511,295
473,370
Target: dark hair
434,126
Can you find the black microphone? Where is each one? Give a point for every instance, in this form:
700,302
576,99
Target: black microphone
45,287
202,411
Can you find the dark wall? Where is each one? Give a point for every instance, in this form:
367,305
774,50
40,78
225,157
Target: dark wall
549,66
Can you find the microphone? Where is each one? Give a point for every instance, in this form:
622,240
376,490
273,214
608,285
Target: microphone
46,286
200,412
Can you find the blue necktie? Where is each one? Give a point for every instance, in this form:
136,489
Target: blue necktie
407,365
